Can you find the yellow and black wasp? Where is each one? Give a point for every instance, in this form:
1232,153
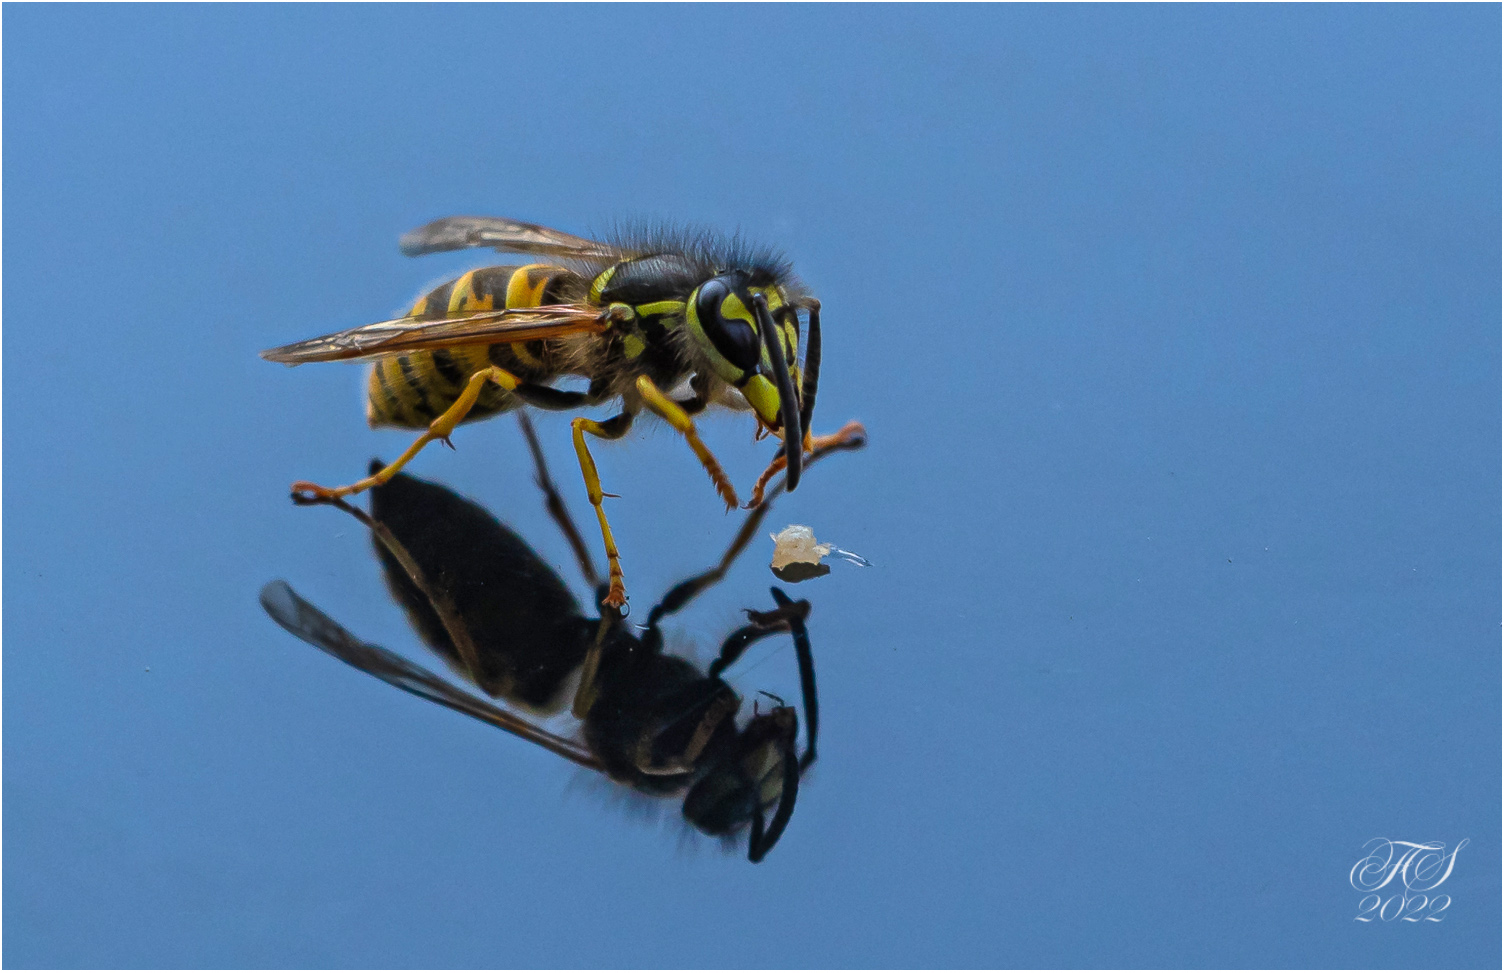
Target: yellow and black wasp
637,318
482,599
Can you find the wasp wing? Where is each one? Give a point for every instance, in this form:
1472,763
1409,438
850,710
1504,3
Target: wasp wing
407,334
504,235
319,630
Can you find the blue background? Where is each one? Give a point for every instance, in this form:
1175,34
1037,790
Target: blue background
1177,331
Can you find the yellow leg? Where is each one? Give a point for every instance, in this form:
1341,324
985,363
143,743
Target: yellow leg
440,428
615,428
812,443
671,412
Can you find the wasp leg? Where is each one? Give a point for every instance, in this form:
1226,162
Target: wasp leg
853,436
742,639
788,617
677,417
554,503
555,400
587,689
440,428
438,599
614,428
850,431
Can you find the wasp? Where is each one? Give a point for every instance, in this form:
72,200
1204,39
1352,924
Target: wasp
635,317
487,604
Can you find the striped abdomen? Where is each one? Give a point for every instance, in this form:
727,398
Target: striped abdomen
414,389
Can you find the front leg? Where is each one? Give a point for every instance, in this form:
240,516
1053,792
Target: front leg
852,431
677,417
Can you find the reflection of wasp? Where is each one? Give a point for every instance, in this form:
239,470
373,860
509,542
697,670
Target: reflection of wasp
481,598
636,318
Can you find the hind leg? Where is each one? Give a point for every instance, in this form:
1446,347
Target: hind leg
440,428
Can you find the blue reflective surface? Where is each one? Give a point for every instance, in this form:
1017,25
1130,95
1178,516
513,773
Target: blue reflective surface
1177,333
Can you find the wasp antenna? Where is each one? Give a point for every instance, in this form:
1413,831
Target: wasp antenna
789,409
811,369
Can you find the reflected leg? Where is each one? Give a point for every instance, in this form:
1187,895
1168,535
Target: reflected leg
852,436
438,599
555,503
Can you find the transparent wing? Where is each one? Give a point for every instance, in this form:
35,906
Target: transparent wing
319,630
504,235
406,334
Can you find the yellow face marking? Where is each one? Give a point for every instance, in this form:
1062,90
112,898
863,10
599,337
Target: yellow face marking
772,295
733,308
763,397
791,353
775,299
632,346
522,291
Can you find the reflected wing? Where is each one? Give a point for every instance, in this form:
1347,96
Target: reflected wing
405,334
504,235
319,630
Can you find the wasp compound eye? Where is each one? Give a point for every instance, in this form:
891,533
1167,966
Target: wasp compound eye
728,324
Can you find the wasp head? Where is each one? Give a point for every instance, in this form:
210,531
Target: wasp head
749,332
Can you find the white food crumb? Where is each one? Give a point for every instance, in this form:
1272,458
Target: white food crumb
795,544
